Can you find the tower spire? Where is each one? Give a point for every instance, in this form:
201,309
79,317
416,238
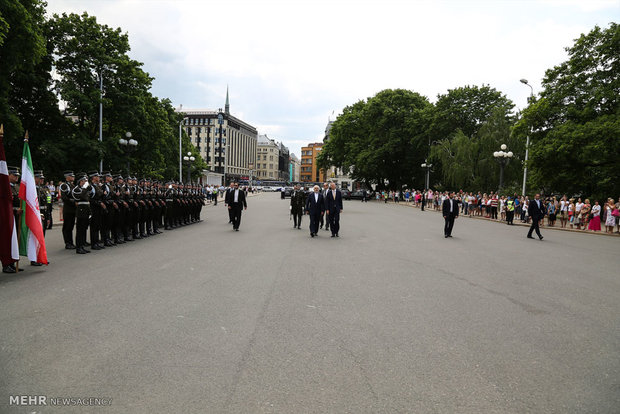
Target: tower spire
227,106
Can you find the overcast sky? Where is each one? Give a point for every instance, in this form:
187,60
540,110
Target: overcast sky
291,64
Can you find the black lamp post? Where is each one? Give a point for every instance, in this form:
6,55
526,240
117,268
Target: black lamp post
503,158
427,166
189,158
129,145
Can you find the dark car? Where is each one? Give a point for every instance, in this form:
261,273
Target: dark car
346,194
288,191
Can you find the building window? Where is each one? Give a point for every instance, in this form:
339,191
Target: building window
198,146
198,130
189,132
197,139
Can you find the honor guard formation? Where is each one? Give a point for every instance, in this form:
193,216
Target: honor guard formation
121,209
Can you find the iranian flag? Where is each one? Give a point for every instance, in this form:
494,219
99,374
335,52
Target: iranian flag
32,242
9,250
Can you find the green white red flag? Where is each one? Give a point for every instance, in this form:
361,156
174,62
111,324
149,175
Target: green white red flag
32,240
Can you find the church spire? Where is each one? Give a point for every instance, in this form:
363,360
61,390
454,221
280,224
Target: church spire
227,107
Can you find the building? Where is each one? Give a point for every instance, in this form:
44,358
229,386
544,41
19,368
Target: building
310,173
283,163
267,159
337,175
294,168
226,143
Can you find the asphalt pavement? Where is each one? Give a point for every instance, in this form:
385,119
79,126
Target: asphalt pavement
390,317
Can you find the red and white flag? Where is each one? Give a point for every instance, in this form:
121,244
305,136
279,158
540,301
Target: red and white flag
9,249
32,241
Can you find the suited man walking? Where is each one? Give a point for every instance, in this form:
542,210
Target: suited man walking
450,209
236,203
229,191
323,219
333,209
535,211
315,206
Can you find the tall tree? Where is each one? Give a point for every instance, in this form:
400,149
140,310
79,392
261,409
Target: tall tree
376,139
575,124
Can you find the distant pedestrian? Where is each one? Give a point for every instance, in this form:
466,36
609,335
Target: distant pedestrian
535,210
236,204
450,210
298,201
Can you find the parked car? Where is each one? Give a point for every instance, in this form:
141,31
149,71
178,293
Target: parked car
288,191
346,194
267,188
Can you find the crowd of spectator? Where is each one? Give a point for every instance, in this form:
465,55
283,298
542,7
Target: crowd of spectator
572,213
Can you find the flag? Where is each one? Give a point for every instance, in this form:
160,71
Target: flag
9,250
32,241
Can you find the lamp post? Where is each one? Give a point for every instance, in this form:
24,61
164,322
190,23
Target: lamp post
527,142
426,165
129,145
189,159
503,158
181,150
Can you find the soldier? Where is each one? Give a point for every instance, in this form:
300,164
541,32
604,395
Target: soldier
110,212
81,195
68,209
98,210
134,206
118,229
298,201
169,198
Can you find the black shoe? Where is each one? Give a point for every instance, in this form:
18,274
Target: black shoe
311,234
128,239
36,264
541,237
8,269
86,244
69,246
143,235
529,237
236,229
445,236
81,250
96,247
337,235
449,235
109,243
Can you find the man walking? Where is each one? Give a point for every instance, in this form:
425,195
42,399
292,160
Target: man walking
324,220
229,191
535,211
450,209
333,209
236,203
315,206
298,201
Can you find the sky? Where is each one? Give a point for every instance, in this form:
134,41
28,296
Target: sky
290,66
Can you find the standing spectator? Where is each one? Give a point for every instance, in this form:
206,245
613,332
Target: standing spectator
564,211
595,221
610,219
577,214
494,204
551,211
617,215
510,211
571,212
585,214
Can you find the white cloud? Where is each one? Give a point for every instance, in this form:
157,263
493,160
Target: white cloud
290,63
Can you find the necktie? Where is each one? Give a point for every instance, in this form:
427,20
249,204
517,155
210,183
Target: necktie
334,194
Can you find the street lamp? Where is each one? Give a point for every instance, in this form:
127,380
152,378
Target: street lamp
181,122
129,145
428,167
189,159
527,143
503,158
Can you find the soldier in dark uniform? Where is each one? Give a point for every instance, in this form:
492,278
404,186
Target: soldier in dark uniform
81,195
168,197
68,209
110,213
97,209
298,201
119,229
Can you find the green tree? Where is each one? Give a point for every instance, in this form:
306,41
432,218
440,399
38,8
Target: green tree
377,139
575,125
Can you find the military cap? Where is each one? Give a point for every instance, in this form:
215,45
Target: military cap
14,170
81,176
39,174
93,174
69,173
117,177
106,174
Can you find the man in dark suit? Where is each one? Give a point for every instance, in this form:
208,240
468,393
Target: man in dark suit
236,203
229,191
315,207
535,210
323,219
450,209
333,209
